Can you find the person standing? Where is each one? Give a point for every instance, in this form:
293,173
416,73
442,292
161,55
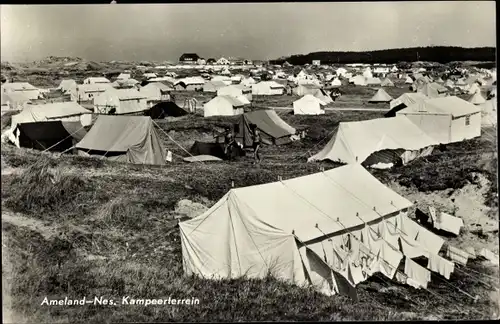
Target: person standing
256,143
228,143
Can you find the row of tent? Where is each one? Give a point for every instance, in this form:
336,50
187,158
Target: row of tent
415,125
67,126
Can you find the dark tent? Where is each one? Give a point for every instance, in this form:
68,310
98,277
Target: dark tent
214,149
274,130
165,109
54,135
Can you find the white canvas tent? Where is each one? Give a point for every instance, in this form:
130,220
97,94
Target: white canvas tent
489,113
123,101
408,99
380,96
408,80
373,81
292,230
477,99
336,83
358,80
267,88
225,106
474,88
387,83
308,105
235,91
447,120
381,140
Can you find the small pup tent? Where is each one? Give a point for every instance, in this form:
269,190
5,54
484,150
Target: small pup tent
273,129
380,96
165,109
387,83
308,105
447,120
382,140
131,139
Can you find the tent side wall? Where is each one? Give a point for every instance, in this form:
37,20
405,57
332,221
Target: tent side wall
229,242
466,127
220,107
307,108
47,135
436,126
150,151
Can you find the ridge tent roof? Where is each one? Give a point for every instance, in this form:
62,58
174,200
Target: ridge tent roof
451,105
354,142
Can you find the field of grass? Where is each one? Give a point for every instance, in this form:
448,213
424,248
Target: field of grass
113,232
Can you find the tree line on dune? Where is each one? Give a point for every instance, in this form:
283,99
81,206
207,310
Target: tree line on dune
439,54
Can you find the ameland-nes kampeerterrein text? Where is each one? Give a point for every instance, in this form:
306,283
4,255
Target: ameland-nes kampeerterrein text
125,300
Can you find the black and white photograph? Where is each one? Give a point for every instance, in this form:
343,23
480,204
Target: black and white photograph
249,162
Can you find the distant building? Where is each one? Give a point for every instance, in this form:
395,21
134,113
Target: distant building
211,61
236,61
223,61
189,58
248,62
316,62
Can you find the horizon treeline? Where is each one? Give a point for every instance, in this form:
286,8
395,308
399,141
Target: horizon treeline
439,54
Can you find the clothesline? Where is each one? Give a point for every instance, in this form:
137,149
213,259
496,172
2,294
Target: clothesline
366,205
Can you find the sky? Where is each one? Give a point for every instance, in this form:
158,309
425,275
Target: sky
259,31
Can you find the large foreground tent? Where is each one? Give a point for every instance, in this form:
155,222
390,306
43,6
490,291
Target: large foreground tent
447,119
131,139
330,230
377,142
54,126
273,129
